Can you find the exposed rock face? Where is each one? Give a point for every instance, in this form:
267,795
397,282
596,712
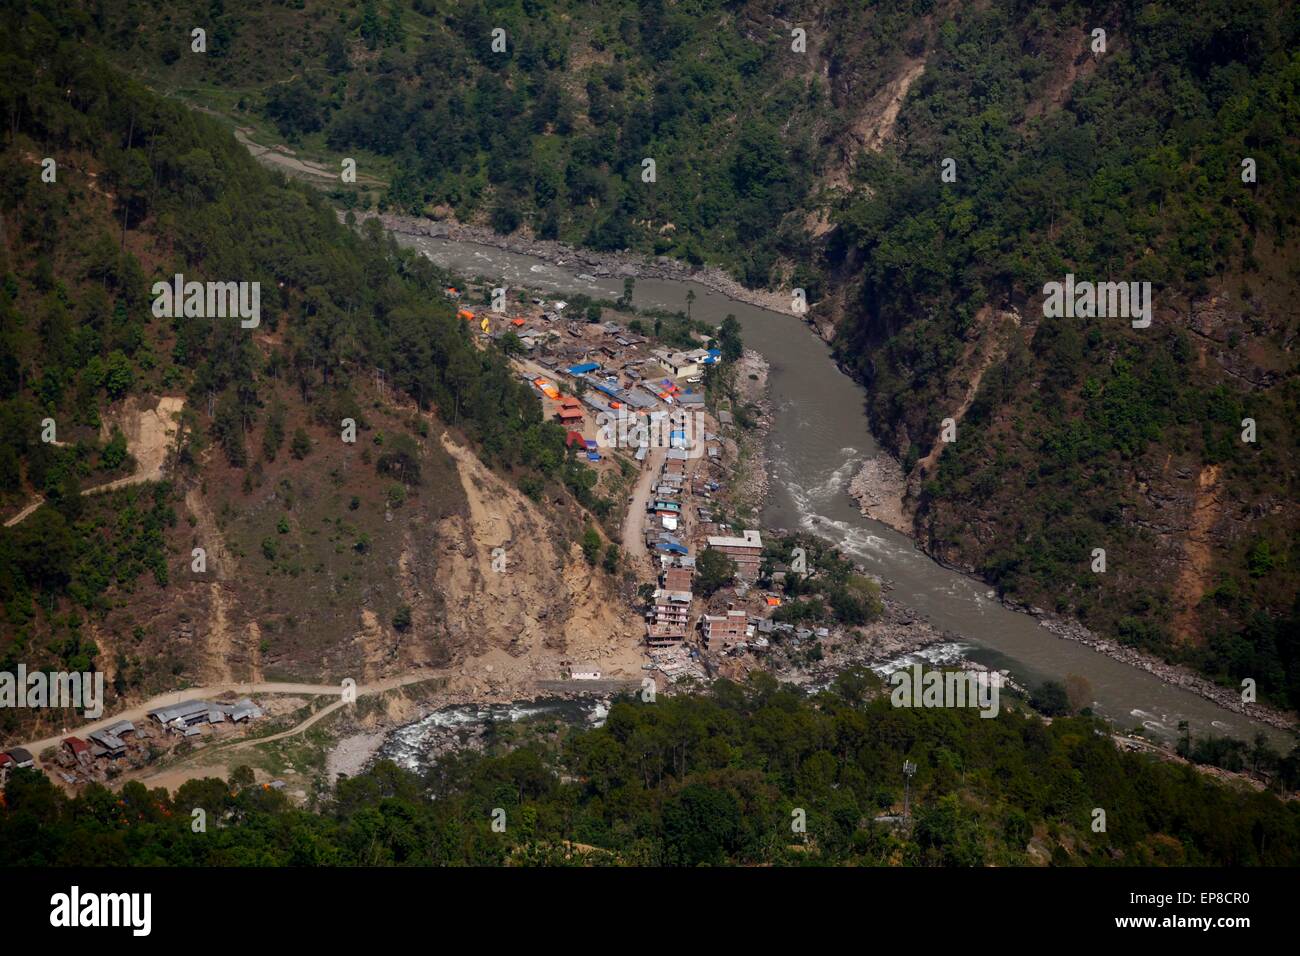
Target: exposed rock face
518,598
879,488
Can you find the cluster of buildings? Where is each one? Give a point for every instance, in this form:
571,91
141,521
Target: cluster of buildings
678,496
189,717
93,755
608,367
612,371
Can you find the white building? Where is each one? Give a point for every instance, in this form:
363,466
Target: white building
678,364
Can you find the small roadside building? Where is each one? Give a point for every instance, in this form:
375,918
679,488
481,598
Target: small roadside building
676,363
20,757
78,748
109,744
187,713
243,710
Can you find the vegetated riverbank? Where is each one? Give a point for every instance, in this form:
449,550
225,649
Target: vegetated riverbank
599,264
877,484
880,491
1175,674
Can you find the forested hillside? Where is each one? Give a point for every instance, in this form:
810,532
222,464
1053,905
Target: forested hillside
820,167
145,188
1084,433
550,133
713,779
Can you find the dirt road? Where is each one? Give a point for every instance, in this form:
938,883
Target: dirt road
139,711
149,438
634,521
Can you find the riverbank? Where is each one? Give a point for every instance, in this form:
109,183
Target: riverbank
1177,675
898,638
750,478
602,265
817,463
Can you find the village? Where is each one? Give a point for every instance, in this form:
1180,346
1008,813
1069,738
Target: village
653,420
110,751
629,403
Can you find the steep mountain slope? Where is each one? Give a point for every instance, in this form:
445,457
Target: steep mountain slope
317,557
1075,434
744,118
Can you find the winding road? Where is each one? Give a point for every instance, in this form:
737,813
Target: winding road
139,711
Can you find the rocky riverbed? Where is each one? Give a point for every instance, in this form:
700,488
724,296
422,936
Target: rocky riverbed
599,264
1226,697
750,478
878,488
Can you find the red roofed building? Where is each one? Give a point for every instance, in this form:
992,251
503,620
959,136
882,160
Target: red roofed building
78,747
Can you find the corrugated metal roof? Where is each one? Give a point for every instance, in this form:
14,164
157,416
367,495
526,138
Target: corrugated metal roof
185,709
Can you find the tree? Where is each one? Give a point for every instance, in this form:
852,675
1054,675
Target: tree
729,341
1051,699
591,545
714,570
612,556
273,436
700,825
401,459
119,376
1078,691
114,453
300,447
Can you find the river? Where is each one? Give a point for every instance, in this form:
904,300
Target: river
818,440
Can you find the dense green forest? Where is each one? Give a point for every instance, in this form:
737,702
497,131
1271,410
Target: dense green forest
1136,177
712,779
146,188
552,131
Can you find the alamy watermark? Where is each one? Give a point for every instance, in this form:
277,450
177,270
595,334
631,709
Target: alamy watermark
53,689
934,688
129,910
1102,300
208,300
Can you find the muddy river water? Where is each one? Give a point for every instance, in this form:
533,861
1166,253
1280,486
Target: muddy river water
818,440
